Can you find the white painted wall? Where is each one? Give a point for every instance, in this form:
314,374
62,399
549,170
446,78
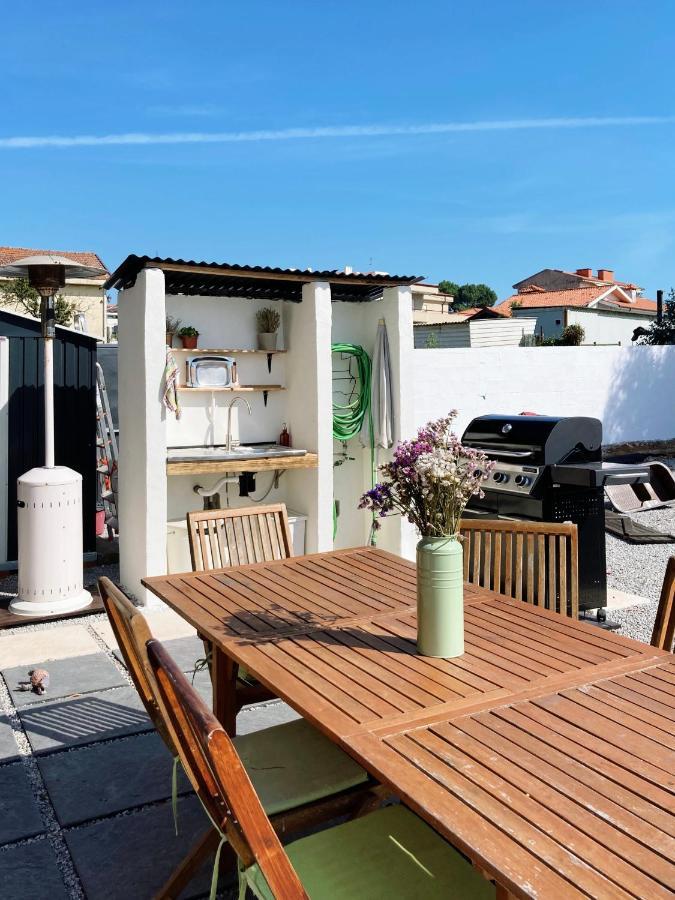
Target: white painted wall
628,388
308,374
227,322
357,323
4,438
604,327
142,456
600,326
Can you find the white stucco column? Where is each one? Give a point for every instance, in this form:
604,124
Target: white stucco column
310,409
396,310
142,458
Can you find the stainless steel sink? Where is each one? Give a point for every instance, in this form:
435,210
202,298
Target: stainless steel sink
242,452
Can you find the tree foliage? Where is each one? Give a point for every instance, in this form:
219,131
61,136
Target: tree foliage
448,287
662,332
470,295
18,294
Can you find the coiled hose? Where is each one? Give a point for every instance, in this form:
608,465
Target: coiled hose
348,418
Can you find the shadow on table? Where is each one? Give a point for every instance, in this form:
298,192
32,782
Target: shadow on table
400,639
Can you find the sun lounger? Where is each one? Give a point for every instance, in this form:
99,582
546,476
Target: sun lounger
658,491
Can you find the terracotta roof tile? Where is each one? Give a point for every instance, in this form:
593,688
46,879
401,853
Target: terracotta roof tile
579,297
11,254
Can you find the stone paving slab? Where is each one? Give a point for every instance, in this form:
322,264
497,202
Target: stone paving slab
19,814
108,778
85,719
164,624
184,650
130,856
8,747
75,675
23,648
30,872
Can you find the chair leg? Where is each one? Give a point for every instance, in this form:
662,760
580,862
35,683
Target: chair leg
182,875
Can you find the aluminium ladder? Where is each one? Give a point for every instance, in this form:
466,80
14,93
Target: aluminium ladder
106,453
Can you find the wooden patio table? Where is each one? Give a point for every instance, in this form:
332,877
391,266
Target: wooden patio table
545,754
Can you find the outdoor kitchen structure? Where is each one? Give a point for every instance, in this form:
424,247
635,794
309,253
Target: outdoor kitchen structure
223,450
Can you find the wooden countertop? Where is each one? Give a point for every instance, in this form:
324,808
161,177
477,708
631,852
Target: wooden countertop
260,464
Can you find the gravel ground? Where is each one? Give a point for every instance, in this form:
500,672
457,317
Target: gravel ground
639,569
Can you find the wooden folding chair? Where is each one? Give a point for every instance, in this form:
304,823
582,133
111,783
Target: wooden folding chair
234,537
532,561
387,853
664,625
302,777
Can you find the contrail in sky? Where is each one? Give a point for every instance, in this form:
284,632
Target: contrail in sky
337,131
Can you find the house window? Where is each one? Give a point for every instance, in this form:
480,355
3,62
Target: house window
557,321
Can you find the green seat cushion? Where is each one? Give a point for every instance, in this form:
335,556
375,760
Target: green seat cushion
293,764
388,854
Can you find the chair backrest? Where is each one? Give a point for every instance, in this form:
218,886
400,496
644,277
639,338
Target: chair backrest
664,625
235,537
220,780
532,561
132,633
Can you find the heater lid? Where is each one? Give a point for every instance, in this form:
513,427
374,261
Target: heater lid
20,268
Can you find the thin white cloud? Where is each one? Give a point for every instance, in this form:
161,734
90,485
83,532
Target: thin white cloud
338,131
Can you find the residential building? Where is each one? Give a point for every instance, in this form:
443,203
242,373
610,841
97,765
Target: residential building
431,305
608,310
87,294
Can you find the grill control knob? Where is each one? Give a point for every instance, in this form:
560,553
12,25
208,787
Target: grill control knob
500,477
522,480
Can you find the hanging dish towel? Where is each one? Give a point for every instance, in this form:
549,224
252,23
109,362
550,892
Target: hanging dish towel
170,398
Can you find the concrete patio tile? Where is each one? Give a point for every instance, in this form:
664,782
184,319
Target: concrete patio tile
617,599
264,715
30,872
109,778
132,855
74,675
8,747
164,624
23,648
19,813
185,651
84,719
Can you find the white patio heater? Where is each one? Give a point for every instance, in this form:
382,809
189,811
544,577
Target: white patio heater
49,498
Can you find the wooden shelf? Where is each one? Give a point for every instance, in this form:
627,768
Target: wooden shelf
266,464
241,389
222,352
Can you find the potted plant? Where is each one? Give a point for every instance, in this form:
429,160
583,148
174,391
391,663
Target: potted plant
188,336
172,326
268,321
430,481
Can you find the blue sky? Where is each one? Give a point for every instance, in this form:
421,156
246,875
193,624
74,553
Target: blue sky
327,154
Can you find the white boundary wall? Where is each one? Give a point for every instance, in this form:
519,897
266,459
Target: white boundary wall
629,388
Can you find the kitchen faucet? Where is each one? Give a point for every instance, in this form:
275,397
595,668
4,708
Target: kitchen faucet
228,442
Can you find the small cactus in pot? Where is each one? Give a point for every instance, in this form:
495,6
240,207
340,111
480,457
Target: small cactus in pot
267,321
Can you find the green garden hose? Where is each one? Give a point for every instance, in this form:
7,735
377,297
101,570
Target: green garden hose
348,418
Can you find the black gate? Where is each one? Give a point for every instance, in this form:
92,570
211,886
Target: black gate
74,413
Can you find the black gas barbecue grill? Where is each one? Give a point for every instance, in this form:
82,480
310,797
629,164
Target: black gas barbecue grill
550,470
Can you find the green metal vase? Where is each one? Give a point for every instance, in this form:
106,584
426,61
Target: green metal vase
440,597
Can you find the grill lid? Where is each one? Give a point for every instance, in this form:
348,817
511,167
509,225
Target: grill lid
539,440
